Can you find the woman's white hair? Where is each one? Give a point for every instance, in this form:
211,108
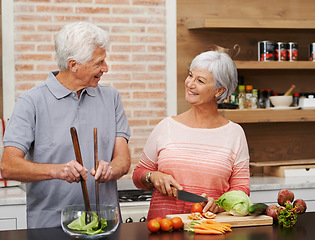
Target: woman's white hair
222,68
78,41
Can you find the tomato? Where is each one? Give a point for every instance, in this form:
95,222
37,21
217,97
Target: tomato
166,225
158,218
153,225
177,223
196,208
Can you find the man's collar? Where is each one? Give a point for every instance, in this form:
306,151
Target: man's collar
59,91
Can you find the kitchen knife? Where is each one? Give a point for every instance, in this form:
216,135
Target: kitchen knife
188,196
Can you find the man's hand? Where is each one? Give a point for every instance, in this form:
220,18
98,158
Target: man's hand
104,172
71,172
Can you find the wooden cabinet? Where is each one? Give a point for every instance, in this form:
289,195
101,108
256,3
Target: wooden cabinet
272,135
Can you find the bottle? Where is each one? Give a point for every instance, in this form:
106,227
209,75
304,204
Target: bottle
248,96
295,101
241,96
234,95
233,98
254,98
261,98
267,100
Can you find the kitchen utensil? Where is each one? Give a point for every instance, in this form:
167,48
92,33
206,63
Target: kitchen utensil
97,196
73,212
287,93
76,146
188,196
281,101
234,221
231,52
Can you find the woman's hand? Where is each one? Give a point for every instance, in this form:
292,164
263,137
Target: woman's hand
210,205
164,183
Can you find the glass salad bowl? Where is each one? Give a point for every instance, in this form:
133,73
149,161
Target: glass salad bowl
73,221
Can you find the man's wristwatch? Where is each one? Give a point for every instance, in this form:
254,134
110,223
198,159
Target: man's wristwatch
147,178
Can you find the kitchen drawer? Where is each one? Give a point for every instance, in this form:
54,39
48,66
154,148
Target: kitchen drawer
8,224
13,217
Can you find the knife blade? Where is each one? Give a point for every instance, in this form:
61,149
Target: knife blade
188,196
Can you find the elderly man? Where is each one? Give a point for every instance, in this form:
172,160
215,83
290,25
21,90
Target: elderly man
40,127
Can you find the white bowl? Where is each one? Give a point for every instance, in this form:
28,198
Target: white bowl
281,101
69,214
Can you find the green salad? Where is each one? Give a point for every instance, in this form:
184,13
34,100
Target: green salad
90,228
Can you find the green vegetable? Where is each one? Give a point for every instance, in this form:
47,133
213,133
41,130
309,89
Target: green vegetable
235,202
258,208
90,228
287,216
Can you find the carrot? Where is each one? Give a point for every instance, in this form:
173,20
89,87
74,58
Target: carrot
213,226
209,231
210,221
216,226
208,227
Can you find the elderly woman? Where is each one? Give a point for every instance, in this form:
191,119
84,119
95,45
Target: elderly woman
40,127
199,150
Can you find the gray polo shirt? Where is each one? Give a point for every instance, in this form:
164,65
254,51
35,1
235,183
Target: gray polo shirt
40,126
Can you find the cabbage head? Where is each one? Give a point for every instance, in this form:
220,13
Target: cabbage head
235,202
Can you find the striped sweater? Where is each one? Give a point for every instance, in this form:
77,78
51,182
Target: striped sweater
211,161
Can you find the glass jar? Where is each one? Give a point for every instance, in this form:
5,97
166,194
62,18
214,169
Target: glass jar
241,96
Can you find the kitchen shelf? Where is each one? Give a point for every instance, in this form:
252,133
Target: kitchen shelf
275,65
197,23
268,115
271,134
283,163
285,168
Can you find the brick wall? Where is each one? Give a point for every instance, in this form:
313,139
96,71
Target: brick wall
136,58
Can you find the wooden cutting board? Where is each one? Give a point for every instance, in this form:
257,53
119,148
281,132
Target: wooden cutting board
234,221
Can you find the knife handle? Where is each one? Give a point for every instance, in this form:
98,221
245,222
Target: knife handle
175,191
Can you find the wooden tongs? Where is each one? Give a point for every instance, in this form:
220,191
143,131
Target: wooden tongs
76,146
97,196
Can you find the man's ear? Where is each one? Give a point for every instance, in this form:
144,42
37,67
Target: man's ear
72,65
219,92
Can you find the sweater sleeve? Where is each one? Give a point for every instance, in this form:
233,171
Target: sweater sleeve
240,178
149,157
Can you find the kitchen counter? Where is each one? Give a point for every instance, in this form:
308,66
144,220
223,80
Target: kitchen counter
303,230
16,195
275,183
12,196
257,183
263,189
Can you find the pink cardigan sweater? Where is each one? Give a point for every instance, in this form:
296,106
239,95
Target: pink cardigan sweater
211,161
